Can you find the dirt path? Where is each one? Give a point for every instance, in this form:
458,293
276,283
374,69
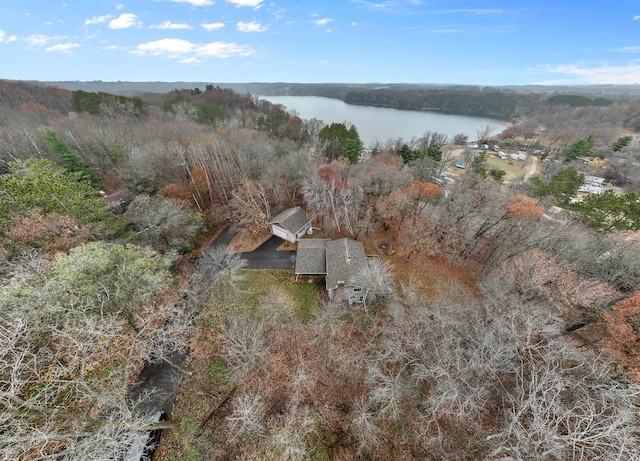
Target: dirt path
532,168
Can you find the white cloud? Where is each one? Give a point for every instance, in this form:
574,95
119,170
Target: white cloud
37,40
251,27
223,50
167,46
278,14
118,6
250,3
171,25
189,52
40,40
630,49
322,22
97,19
378,6
477,12
195,2
1,35
636,18
621,75
213,26
62,47
124,21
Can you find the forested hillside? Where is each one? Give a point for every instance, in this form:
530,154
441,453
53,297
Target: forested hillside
507,327
501,102
488,103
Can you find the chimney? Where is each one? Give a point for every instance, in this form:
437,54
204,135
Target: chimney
339,291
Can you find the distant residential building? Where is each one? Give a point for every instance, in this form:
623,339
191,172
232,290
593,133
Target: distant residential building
291,224
594,180
591,189
592,185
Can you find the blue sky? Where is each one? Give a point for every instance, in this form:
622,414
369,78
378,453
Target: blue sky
507,42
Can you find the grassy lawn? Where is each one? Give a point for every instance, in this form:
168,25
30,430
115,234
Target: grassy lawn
514,168
259,293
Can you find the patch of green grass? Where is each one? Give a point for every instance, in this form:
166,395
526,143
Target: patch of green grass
513,168
192,454
317,443
305,295
255,285
218,372
188,428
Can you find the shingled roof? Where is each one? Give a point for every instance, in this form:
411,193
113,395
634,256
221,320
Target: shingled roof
311,257
291,219
345,257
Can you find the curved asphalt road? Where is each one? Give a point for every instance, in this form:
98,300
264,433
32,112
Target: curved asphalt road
224,238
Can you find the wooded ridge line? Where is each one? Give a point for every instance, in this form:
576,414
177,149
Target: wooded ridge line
492,101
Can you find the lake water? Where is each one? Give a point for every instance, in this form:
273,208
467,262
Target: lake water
381,123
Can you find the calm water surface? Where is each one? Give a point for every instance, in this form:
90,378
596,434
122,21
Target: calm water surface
381,123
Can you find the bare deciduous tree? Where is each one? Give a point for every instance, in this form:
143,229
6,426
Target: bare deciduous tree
465,361
565,406
244,347
483,133
247,417
164,224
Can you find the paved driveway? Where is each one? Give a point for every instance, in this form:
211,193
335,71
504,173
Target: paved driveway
267,256
224,237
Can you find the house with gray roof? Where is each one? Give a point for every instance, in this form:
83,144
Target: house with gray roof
342,262
291,224
311,257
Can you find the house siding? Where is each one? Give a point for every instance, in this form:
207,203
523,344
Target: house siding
282,233
291,224
350,293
